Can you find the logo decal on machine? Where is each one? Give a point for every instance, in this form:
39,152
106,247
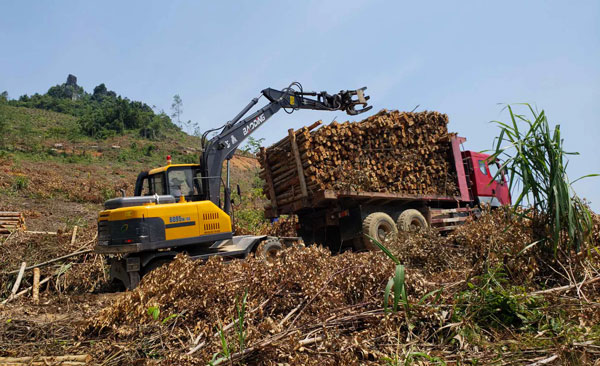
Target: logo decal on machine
255,123
179,221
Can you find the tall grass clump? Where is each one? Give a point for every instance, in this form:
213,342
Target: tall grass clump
533,156
396,285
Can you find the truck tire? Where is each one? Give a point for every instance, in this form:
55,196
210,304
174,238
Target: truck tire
379,226
411,220
269,249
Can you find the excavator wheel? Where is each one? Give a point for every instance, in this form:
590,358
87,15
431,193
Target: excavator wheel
269,249
380,227
154,264
411,220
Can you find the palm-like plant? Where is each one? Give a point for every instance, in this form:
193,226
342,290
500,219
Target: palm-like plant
534,158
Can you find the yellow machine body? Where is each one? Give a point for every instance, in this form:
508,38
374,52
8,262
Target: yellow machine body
154,226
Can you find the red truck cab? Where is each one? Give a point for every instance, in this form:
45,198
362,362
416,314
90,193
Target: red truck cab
480,172
475,172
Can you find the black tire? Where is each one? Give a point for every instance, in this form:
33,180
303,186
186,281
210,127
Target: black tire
269,249
379,226
411,220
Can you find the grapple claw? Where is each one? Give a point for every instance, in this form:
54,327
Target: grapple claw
361,99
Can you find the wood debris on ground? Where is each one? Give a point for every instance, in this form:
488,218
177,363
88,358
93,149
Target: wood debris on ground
307,306
310,307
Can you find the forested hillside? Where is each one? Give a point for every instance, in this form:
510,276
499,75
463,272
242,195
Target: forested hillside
99,114
68,151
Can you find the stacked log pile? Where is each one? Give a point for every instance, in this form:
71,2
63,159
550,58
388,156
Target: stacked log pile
10,221
392,151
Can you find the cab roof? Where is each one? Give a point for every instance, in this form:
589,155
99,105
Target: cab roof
165,168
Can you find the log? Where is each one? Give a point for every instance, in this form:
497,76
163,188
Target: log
36,286
18,280
18,294
298,163
46,360
74,235
41,232
10,221
9,213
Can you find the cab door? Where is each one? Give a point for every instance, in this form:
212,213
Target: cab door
501,184
485,188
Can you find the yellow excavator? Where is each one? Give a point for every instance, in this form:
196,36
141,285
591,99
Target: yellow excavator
178,208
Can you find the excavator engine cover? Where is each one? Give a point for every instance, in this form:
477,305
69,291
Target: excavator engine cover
154,226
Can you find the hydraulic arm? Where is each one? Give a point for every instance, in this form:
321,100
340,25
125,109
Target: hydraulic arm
222,147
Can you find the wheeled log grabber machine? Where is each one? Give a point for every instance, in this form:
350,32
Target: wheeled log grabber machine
178,207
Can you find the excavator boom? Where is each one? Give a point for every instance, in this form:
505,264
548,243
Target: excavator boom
222,147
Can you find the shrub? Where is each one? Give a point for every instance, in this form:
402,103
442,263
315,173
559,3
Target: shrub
20,183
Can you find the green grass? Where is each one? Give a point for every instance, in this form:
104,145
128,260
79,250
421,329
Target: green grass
31,134
534,157
227,351
28,125
396,286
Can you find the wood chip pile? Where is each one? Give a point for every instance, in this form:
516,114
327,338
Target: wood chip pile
392,151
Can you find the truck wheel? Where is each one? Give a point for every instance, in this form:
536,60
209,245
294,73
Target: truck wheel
379,226
269,249
411,220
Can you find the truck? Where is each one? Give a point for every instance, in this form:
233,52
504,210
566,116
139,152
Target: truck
347,219
186,208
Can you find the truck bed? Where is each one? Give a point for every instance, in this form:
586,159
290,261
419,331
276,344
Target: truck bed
328,197
322,198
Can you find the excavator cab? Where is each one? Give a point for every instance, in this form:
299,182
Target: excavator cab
177,180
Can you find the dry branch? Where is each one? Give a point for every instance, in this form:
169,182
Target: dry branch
23,292
74,235
565,288
54,260
36,286
47,360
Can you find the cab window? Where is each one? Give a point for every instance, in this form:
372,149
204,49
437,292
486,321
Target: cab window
158,183
198,183
181,183
146,187
153,185
482,167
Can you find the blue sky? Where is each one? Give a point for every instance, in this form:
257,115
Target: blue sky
460,58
